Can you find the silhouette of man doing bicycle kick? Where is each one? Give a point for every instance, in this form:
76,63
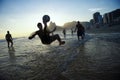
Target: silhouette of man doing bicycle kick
44,34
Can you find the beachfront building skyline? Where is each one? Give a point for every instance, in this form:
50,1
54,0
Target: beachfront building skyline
97,17
112,17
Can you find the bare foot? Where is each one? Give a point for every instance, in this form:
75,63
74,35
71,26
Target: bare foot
62,43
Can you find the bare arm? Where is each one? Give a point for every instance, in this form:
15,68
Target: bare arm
45,26
32,35
11,37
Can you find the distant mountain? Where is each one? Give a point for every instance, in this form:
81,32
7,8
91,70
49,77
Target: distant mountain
59,28
52,25
67,25
72,24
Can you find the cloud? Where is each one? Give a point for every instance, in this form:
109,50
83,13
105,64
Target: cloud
95,9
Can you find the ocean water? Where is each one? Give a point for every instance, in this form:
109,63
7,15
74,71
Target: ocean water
95,57
14,60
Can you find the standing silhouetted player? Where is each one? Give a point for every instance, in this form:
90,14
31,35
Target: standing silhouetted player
80,30
44,34
64,33
9,39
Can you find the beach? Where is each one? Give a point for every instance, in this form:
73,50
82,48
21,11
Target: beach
94,58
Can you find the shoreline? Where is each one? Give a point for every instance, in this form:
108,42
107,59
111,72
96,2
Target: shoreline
105,29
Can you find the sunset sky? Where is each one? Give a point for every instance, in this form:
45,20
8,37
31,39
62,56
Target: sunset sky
20,17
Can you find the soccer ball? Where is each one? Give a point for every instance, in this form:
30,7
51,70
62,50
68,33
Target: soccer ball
46,18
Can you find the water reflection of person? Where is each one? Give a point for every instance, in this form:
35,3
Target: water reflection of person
9,39
80,30
11,52
44,34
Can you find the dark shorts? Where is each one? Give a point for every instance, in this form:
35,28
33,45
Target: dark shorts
80,33
46,40
9,40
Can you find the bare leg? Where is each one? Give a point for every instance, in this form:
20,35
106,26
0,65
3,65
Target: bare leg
11,43
83,36
8,43
57,37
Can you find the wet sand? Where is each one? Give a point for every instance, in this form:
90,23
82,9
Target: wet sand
95,58
98,59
